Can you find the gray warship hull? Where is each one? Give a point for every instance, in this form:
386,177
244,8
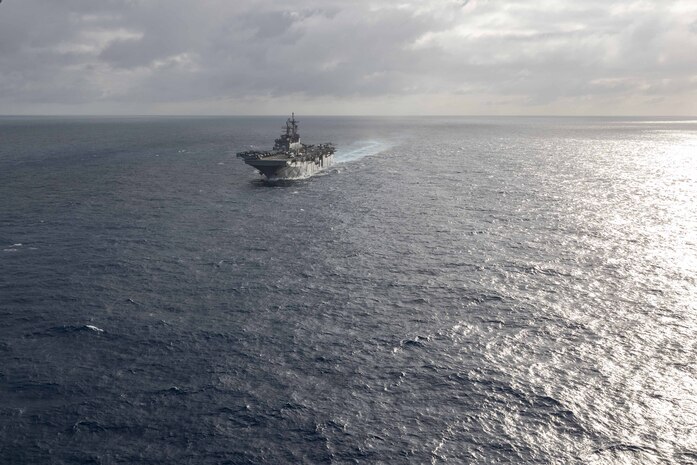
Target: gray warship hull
290,159
279,168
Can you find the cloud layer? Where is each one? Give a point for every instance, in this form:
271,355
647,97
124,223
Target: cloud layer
358,56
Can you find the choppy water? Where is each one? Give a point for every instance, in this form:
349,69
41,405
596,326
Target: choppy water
459,290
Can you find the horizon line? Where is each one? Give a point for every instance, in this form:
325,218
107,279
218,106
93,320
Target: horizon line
194,115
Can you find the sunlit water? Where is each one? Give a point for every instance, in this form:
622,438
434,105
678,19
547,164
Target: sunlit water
455,290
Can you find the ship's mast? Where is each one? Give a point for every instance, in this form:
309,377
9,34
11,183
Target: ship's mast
289,136
294,124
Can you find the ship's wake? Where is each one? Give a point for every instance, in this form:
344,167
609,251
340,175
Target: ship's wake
360,149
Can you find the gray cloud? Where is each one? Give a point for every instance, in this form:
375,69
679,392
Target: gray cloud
450,56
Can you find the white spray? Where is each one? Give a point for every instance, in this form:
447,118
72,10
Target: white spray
360,149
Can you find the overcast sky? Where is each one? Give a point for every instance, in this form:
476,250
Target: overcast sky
593,57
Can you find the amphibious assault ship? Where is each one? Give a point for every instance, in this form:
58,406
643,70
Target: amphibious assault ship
289,158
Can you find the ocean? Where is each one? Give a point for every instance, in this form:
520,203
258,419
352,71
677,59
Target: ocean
484,290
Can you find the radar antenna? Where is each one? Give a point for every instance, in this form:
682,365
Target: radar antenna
292,125
289,136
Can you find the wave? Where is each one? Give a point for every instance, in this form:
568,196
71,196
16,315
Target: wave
67,329
360,149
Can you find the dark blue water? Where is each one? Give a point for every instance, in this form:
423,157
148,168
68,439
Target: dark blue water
458,290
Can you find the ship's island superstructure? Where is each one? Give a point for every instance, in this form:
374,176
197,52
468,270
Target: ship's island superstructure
289,158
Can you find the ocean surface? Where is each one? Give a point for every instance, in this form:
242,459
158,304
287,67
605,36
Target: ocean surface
455,290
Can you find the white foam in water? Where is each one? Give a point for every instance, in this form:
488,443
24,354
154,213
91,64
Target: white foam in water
94,328
360,149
